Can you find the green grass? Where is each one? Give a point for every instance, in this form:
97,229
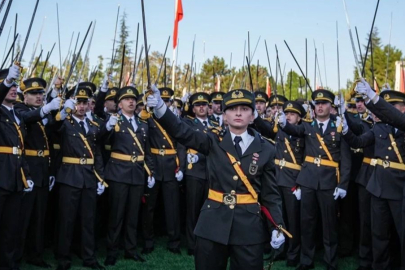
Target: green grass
161,259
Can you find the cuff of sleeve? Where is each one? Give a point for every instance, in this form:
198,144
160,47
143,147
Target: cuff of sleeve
6,84
159,112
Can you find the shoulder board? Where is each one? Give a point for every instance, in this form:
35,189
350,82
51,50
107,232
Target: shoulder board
307,120
367,121
94,123
267,139
142,121
214,122
190,117
268,119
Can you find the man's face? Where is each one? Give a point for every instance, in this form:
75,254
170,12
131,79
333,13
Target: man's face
260,107
216,107
92,104
322,108
400,107
34,99
239,116
274,109
81,108
292,118
168,102
210,110
200,109
110,105
361,108
333,110
12,95
127,105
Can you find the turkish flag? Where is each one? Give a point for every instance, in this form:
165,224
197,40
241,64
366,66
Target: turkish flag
268,87
178,16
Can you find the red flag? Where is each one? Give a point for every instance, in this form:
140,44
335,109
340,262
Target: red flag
268,87
402,84
178,15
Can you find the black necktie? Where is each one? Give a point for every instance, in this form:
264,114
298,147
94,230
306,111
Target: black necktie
237,140
130,123
13,116
218,121
321,128
205,123
82,126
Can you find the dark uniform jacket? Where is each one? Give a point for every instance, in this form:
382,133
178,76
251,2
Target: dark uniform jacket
386,183
243,225
286,177
36,140
199,169
11,178
388,113
72,145
322,177
165,166
122,142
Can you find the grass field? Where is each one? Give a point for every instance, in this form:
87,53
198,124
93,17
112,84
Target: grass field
161,259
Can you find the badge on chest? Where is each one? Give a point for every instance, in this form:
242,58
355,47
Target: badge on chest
253,165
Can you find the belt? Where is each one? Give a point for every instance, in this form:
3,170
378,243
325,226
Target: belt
387,164
36,153
163,152
123,157
319,161
13,150
78,161
282,163
231,198
367,160
56,146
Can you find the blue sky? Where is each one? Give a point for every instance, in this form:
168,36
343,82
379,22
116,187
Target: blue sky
222,25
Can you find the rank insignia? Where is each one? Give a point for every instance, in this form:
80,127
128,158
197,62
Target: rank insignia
253,168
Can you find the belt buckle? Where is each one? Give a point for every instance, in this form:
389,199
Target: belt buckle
373,162
40,153
162,152
229,199
317,161
386,164
134,159
282,163
83,161
15,150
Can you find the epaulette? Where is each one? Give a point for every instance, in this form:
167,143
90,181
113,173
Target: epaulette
367,121
142,121
307,120
94,123
190,117
214,122
268,139
215,129
268,119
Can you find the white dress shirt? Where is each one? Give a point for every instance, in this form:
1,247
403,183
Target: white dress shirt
133,122
221,118
15,116
247,139
84,121
202,121
325,124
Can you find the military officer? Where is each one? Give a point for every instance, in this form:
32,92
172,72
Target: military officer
261,99
324,177
80,179
37,156
216,101
167,173
240,171
13,167
276,102
124,172
195,173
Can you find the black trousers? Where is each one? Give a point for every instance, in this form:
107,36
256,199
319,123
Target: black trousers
170,191
365,244
384,214
311,200
10,205
72,202
32,224
124,204
348,220
197,192
210,255
292,219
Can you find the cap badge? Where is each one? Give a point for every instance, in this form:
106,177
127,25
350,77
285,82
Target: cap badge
237,94
35,84
386,96
319,95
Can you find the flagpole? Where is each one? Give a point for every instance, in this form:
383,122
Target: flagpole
174,49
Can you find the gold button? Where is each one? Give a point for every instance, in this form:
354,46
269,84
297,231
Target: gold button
163,146
285,151
389,148
309,134
320,147
208,206
233,192
235,177
164,138
387,157
232,206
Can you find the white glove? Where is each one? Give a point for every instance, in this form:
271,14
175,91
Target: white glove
297,193
70,103
51,182
151,181
51,106
179,176
55,92
364,89
282,120
345,127
100,188
277,239
13,73
112,122
155,101
185,97
104,86
30,186
339,193
191,158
